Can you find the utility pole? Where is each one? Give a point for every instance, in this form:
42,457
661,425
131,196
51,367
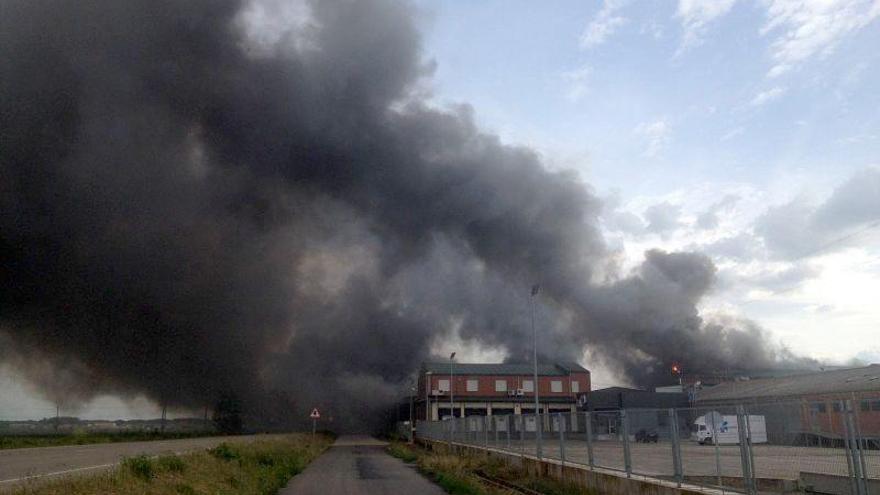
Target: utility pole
538,448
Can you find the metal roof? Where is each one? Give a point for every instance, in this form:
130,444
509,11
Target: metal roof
823,382
504,369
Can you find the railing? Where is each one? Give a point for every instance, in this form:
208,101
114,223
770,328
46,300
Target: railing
740,448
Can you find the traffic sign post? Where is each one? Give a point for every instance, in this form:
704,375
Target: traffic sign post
315,416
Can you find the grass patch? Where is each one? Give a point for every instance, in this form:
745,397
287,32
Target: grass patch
81,438
456,473
261,467
140,467
403,451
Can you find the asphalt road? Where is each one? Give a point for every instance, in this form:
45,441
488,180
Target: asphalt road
358,465
18,466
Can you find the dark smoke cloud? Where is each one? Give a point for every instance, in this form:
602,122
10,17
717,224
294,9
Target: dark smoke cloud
189,215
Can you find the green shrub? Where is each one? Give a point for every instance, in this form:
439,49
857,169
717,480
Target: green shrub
225,451
140,466
171,464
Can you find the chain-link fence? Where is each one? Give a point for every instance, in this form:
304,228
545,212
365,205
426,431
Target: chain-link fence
771,448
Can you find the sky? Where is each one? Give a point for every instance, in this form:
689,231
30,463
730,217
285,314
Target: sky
747,130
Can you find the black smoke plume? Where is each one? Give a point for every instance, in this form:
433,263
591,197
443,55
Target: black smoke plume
194,209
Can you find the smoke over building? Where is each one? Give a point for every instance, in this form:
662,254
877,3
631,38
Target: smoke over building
191,208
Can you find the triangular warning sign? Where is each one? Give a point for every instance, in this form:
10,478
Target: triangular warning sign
315,414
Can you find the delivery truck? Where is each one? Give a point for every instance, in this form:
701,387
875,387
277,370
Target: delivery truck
717,428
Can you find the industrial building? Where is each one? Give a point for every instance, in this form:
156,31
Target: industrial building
460,389
808,408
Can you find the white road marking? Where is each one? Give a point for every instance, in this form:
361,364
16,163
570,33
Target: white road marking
68,471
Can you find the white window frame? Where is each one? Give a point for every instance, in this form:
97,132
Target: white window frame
443,385
501,385
473,385
528,386
575,387
556,386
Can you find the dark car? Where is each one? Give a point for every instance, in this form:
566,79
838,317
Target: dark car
646,436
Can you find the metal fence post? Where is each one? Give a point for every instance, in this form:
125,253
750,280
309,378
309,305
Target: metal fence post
487,422
495,427
676,447
627,455
713,415
561,426
861,445
539,425
853,448
588,418
507,429
522,433
745,456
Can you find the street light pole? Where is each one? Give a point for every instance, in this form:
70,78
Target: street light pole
412,426
451,396
538,448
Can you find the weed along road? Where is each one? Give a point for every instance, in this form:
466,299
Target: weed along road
19,465
359,465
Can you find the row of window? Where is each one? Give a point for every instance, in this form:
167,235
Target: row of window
865,406
501,386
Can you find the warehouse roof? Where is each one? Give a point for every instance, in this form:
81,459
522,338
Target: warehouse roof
823,382
555,369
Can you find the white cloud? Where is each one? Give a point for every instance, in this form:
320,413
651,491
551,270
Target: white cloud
604,24
658,135
578,83
695,15
812,28
767,96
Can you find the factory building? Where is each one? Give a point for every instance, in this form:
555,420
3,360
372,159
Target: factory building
807,408
497,389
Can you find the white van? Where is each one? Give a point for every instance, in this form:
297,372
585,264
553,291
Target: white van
715,428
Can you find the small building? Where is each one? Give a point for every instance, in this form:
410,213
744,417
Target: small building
497,389
806,408
647,411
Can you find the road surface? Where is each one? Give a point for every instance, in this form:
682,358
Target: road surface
18,466
358,465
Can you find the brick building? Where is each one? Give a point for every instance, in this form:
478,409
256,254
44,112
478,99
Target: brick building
497,389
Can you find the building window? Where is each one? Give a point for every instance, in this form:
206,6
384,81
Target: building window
818,407
501,385
473,385
556,386
528,386
865,406
443,385
575,387
875,405
837,406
